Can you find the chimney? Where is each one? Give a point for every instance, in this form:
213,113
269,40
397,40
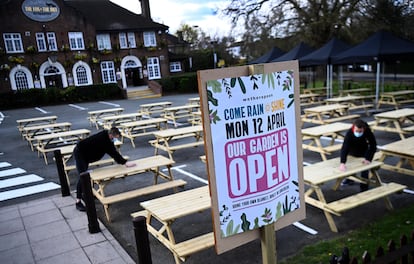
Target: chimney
145,9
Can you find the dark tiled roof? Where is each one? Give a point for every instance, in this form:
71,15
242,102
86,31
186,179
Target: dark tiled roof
107,16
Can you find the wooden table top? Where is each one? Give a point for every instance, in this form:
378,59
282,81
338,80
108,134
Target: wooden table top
402,92
34,119
180,204
108,110
344,98
318,131
45,126
155,104
178,131
180,107
403,146
63,134
118,170
143,122
110,118
325,108
328,170
396,114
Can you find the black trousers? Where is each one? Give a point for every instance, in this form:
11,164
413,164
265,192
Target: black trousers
81,166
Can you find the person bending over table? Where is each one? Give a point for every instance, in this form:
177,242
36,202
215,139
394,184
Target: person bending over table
92,149
359,141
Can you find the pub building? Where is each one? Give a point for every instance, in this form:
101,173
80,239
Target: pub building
61,43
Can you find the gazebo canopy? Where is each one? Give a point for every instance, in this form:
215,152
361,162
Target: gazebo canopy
297,52
324,54
268,56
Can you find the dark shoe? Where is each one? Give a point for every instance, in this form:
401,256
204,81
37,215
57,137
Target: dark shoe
347,182
80,207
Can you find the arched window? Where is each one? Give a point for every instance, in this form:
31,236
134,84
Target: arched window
21,78
82,74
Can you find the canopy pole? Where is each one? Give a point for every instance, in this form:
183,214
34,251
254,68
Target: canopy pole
377,83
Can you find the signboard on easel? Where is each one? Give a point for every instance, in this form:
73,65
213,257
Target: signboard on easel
251,119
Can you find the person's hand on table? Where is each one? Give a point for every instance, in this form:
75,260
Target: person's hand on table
130,164
342,167
366,162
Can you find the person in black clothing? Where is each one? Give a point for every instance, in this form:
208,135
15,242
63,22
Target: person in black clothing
92,149
359,142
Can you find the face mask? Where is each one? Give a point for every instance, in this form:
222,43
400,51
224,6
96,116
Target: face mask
358,134
114,140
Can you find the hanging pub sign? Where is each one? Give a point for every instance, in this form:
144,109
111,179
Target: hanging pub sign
251,119
41,10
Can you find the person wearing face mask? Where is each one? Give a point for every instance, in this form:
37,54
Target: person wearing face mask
92,149
359,141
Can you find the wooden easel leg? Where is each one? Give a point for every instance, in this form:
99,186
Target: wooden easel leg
268,242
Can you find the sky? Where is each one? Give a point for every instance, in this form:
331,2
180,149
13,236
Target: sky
174,13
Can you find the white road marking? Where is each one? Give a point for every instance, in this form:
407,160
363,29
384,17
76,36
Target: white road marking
408,191
78,107
10,172
7,195
111,104
41,110
195,177
305,228
4,164
20,180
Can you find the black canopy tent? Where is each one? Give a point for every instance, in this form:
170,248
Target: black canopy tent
380,47
323,56
268,56
298,51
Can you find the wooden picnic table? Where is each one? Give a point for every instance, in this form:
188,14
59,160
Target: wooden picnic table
318,90
403,150
30,132
166,139
357,91
325,114
307,99
311,138
354,102
103,176
396,98
394,121
22,123
116,120
319,174
95,116
153,108
175,113
163,212
194,100
142,127
50,142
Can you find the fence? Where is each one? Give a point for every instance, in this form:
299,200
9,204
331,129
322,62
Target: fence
404,254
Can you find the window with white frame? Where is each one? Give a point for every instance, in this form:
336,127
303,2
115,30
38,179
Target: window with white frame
82,73
103,41
108,72
76,41
149,39
21,80
51,41
41,42
127,40
13,42
153,66
175,66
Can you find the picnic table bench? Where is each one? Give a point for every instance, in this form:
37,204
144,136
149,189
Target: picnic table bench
175,113
165,139
354,102
22,123
307,99
311,138
153,108
403,150
102,176
116,120
143,127
394,121
169,209
318,174
326,114
364,92
30,132
95,116
53,141
396,98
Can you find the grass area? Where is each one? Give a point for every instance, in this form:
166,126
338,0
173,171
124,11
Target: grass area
391,226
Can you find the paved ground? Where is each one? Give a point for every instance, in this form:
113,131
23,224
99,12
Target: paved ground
188,167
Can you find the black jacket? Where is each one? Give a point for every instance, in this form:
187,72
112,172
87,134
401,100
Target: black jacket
93,148
364,146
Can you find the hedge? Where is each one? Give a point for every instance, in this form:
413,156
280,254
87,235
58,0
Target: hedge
183,83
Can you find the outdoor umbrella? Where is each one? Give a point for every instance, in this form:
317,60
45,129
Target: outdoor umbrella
379,47
268,56
323,56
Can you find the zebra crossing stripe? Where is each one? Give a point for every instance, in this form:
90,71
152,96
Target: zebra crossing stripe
28,191
20,180
4,164
10,172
